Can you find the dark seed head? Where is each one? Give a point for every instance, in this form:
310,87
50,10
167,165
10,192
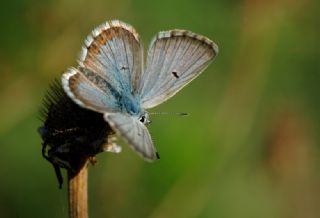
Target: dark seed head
70,134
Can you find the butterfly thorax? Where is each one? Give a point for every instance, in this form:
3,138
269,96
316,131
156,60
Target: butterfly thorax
130,104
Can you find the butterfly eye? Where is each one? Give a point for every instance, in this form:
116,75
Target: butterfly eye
142,119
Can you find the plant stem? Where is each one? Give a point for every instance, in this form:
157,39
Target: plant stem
78,192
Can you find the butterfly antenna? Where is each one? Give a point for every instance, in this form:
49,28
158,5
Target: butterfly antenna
169,113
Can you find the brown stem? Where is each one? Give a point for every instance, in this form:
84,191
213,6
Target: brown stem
77,191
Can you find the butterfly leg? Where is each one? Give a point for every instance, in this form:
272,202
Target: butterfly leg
112,146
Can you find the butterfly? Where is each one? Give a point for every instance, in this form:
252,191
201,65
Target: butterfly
111,78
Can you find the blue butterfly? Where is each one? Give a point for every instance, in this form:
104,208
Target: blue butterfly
111,77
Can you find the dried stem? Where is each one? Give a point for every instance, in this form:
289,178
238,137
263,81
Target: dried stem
78,193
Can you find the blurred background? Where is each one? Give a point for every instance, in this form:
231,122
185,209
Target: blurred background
250,147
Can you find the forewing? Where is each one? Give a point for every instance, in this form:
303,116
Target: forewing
134,133
89,90
174,59
113,51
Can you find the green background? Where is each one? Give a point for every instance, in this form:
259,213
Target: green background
250,147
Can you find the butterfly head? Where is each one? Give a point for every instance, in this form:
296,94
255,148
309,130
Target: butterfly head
144,118
132,106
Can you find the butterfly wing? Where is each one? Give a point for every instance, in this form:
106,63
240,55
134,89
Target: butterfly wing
112,55
113,50
89,90
134,133
174,59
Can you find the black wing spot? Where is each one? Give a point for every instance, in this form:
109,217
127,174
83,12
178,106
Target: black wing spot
124,68
175,74
157,155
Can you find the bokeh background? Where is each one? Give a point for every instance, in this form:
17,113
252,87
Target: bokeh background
250,147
